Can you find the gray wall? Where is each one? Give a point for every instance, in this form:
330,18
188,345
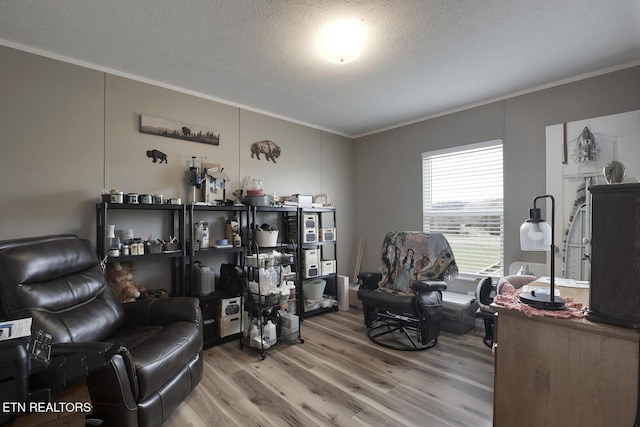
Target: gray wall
51,166
70,132
388,164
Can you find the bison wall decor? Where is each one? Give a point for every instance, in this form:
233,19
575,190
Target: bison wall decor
269,148
157,155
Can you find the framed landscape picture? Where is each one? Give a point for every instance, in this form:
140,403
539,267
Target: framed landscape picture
179,130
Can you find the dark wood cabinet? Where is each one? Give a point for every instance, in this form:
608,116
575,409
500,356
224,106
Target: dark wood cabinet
615,254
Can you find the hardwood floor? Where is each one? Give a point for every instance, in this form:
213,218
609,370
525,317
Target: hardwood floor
337,377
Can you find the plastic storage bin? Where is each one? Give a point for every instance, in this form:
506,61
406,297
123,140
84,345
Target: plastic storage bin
458,312
313,289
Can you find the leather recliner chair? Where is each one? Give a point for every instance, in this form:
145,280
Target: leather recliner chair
402,305
59,283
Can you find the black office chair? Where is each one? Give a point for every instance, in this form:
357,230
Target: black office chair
403,304
485,293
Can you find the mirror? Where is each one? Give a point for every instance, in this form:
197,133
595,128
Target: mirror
576,153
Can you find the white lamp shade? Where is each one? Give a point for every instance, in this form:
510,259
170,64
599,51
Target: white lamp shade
535,236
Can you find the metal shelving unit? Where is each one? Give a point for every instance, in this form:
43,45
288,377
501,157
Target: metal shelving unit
176,221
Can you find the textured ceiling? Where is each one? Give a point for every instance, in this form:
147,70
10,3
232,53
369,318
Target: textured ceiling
422,57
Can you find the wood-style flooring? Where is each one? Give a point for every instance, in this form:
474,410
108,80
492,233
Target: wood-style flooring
337,377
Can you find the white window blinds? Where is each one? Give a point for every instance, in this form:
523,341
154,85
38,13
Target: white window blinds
462,198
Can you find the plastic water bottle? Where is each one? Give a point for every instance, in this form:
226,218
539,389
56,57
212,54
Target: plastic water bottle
270,336
253,334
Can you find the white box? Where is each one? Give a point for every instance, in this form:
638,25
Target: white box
310,257
301,200
327,235
229,325
228,307
310,221
309,235
287,334
327,267
310,271
290,321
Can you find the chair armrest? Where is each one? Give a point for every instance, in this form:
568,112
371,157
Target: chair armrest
102,350
429,285
369,280
161,311
71,360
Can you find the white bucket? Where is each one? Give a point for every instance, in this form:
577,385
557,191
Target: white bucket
266,238
313,289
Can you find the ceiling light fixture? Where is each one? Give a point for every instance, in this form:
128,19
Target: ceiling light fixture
341,41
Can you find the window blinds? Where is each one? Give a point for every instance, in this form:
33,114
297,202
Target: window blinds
463,198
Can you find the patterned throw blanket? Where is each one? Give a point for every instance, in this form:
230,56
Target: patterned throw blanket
409,256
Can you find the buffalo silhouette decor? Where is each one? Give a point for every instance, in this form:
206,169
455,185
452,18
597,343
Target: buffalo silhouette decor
269,148
157,155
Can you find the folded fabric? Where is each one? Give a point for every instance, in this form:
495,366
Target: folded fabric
511,300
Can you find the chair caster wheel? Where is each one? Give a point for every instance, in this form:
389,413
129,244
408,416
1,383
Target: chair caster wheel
301,341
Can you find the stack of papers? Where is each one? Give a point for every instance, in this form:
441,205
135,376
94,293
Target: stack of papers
15,329
567,283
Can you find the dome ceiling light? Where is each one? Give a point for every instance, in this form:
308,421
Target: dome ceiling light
341,41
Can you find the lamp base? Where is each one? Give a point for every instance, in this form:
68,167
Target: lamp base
543,302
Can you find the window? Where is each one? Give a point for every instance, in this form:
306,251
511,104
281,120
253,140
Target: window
462,197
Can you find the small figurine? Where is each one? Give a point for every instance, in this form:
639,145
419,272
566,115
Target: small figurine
614,172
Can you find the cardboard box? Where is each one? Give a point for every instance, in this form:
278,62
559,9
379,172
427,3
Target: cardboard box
354,301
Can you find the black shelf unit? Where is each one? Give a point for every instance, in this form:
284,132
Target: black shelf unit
209,304
240,212
259,306
328,251
176,216
286,218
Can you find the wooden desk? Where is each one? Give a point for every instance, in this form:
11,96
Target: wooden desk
557,372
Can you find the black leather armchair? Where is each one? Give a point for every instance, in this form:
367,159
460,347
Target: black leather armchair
403,304
59,282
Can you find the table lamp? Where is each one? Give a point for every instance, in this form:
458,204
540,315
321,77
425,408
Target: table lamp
537,235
